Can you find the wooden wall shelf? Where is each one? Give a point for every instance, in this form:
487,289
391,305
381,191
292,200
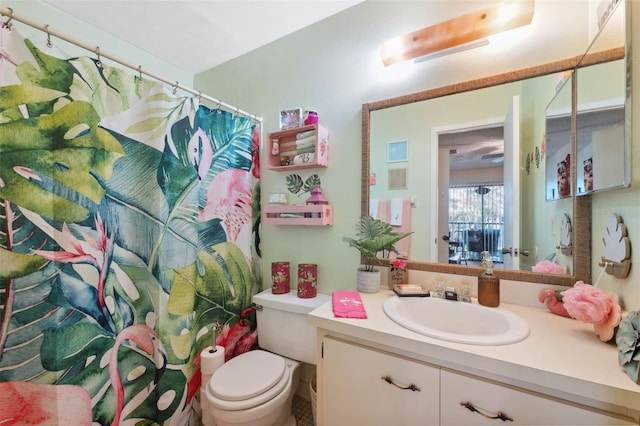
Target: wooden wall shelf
308,215
286,140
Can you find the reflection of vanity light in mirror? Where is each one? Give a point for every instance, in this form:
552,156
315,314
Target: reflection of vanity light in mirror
616,248
566,233
459,31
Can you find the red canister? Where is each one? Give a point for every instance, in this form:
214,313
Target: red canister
307,280
280,278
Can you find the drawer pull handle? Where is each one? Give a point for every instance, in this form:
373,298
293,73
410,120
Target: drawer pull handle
411,386
499,415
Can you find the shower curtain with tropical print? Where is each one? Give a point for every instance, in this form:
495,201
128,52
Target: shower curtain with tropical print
129,225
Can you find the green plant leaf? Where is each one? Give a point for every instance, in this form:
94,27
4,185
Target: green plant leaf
294,183
374,236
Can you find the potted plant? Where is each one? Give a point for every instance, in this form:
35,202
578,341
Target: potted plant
373,236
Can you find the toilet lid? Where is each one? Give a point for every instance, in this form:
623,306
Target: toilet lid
249,375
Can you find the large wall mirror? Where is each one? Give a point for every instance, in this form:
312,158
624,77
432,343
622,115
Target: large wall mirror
483,141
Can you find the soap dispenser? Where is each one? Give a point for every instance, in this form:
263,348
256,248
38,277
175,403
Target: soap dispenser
488,284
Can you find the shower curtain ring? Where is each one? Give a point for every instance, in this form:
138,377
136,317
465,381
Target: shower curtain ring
175,88
46,30
8,23
199,96
98,61
140,71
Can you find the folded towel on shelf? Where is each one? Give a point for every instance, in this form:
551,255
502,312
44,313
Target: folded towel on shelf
348,304
294,152
304,158
306,142
308,133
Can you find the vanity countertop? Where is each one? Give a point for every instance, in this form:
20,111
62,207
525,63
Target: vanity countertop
561,356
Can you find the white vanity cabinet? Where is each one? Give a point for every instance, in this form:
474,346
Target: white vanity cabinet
493,399
365,386
561,374
356,389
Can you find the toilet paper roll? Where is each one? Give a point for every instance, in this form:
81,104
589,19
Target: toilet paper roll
211,360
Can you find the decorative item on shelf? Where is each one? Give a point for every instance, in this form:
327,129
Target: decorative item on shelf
298,187
316,199
373,236
290,118
589,304
553,300
628,341
278,198
616,248
285,160
307,280
564,177
280,278
398,273
310,117
566,236
275,146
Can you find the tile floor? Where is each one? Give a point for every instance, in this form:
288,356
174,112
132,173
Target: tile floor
302,411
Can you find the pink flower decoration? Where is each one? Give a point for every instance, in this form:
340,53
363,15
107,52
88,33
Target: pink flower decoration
590,304
549,267
398,264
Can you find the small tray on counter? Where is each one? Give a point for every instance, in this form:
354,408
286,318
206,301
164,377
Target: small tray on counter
410,290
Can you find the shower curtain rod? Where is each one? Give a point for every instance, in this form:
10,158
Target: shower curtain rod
8,13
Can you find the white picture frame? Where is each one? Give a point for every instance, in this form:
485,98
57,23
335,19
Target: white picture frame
397,152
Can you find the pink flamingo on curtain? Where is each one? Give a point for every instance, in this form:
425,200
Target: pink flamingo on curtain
147,340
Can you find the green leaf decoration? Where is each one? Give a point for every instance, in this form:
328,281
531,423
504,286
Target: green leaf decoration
294,183
13,265
54,165
51,72
311,182
13,96
217,295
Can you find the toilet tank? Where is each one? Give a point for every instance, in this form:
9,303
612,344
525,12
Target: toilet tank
283,327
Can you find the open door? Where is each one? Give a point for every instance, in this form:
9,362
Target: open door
442,242
512,185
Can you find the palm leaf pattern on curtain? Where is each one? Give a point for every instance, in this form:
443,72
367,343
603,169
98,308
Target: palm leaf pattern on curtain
105,189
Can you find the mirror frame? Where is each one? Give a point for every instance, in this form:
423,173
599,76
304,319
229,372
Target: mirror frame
581,220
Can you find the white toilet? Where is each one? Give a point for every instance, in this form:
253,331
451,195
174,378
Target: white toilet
257,387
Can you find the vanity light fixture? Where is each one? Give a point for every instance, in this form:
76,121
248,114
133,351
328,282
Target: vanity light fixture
459,32
452,50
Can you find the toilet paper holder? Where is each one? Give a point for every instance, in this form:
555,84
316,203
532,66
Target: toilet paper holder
214,337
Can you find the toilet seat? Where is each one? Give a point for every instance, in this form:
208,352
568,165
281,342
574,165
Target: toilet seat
248,380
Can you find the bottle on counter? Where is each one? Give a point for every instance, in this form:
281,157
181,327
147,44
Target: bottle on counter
488,284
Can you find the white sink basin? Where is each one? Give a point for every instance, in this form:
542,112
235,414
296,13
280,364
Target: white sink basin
456,321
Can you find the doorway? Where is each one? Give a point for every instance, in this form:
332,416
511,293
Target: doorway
470,192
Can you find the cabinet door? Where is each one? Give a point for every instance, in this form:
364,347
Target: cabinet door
523,407
355,390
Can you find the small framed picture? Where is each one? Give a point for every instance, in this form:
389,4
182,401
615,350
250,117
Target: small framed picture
290,118
397,152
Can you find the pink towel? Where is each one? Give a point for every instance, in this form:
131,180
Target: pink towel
384,213
348,304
